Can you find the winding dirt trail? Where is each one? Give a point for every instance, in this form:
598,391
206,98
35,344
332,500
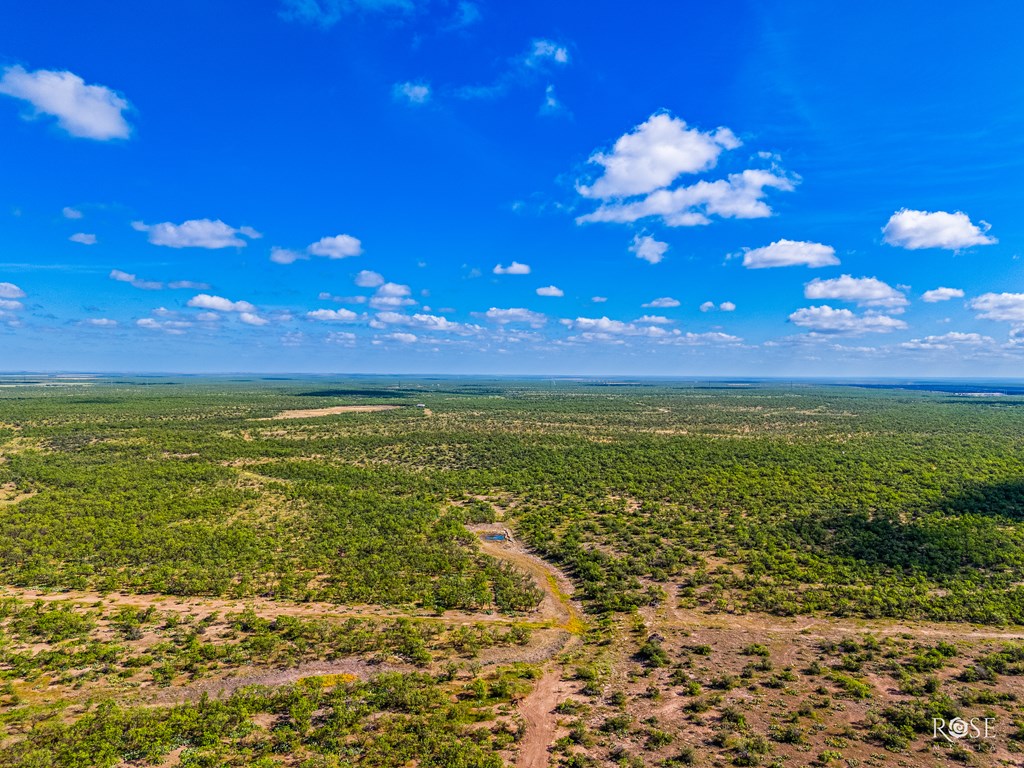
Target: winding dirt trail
538,713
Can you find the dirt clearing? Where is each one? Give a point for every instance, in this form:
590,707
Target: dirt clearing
310,413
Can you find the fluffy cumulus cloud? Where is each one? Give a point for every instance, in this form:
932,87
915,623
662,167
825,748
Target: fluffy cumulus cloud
424,321
951,340
663,302
367,278
391,295
825,319
9,295
219,304
941,294
653,155
790,253
516,315
939,229
515,268
864,291
333,247
336,247
647,248
596,328
86,111
71,213
638,173
286,255
83,238
333,315
411,93
1005,307
604,329
100,322
173,327
551,291
11,291
725,306
404,338
196,233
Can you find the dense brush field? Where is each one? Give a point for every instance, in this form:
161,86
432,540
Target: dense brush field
658,500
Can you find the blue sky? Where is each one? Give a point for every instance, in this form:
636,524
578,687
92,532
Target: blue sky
735,188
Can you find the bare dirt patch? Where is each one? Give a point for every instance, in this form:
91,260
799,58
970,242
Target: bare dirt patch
310,413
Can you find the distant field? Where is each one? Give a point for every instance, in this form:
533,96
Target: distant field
679,515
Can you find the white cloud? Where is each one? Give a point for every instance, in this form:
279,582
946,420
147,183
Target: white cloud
196,233
516,315
865,291
411,93
71,213
391,295
825,319
219,304
647,248
368,279
333,315
551,290
134,281
100,322
86,111
653,155
174,327
424,321
941,294
711,337
343,338
336,247
661,303
949,341
286,255
654,320
1006,307
599,299
605,325
790,253
9,305
725,306
191,284
405,338
83,238
251,318
11,291
739,196
921,229
546,50
515,268
643,164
